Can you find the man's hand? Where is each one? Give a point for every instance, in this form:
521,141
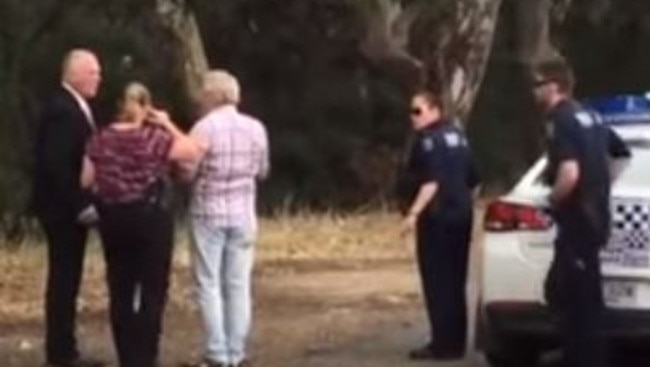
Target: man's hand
409,224
88,216
567,180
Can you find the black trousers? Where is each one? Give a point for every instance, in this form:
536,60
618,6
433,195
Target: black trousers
443,255
574,292
137,241
66,247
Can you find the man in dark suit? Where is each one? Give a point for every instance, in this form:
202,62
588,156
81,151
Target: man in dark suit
61,205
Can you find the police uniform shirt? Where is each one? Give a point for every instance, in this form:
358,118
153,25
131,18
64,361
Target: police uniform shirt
577,134
441,154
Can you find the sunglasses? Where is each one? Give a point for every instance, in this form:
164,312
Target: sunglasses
415,111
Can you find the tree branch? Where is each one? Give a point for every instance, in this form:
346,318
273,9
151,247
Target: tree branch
54,13
178,17
388,24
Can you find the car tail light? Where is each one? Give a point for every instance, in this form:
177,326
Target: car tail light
502,216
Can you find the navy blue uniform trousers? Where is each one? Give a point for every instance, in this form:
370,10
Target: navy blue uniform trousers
573,290
443,255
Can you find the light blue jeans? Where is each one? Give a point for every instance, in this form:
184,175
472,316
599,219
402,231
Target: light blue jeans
223,263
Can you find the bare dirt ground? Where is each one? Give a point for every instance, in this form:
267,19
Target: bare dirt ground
330,291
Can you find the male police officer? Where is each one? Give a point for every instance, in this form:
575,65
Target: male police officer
579,148
440,212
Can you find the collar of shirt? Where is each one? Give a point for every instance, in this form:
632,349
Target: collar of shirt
565,106
227,109
83,104
436,126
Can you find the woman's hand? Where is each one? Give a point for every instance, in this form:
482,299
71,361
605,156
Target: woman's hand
87,173
159,117
408,224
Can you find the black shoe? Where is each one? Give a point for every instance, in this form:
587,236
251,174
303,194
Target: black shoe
205,363
422,353
430,352
79,362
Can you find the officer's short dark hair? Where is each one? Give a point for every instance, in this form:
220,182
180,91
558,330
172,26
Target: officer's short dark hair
430,96
557,71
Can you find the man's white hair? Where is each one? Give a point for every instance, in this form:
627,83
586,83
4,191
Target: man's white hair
222,87
73,59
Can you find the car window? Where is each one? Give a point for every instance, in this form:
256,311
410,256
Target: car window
637,173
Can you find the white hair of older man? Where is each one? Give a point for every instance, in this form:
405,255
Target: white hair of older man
74,59
222,87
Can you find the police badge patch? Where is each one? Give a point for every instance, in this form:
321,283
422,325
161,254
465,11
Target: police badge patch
550,129
452,139
427,144
585,119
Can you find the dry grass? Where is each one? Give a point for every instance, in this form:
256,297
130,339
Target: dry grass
370,236
307,236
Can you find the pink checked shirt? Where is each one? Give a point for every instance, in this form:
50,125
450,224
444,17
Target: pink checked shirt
225,187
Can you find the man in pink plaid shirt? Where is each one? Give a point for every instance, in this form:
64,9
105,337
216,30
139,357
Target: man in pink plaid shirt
224,223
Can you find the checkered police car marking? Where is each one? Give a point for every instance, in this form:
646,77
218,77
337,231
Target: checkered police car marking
629,244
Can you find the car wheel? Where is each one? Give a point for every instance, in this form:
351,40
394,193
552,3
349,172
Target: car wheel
512,357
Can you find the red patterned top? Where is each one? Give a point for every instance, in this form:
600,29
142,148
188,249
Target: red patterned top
128,162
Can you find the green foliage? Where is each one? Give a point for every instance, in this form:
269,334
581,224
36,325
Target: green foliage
304,76
33,39
505,128
337,123
329,113
608,45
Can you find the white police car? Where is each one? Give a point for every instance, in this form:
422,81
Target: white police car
513,324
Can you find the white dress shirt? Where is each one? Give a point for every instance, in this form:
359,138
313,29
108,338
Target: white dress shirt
83,104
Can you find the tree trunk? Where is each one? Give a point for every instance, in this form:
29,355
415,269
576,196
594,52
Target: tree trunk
535,21
442,45
388,25
534,42
181,21
476,26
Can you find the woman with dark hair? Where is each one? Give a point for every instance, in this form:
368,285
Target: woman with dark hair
126,167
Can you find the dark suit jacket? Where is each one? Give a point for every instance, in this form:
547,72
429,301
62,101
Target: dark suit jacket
60,144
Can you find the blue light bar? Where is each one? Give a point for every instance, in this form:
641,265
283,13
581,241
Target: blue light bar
622,109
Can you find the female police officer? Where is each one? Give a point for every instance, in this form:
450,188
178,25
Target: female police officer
441,179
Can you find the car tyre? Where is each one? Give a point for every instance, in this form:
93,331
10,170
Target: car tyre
512,357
